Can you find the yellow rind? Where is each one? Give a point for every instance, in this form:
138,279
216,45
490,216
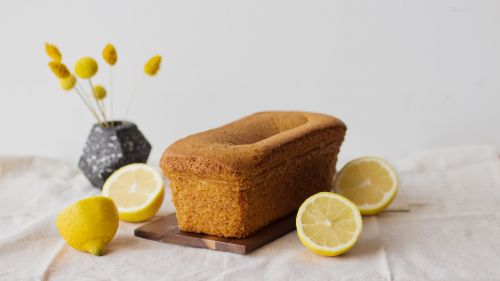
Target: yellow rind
89,224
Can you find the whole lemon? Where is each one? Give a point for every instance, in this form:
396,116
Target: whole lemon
86,67
89,225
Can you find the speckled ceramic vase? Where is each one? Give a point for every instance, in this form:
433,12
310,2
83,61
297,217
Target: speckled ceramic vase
108,149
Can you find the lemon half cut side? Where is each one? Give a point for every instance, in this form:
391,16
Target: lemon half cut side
137,190
328,224
369,182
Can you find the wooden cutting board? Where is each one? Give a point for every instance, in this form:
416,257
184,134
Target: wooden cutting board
165,230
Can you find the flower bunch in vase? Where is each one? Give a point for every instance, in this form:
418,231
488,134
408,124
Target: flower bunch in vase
111,143
85,69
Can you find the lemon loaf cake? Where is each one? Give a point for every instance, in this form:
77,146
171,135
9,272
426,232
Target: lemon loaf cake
234,180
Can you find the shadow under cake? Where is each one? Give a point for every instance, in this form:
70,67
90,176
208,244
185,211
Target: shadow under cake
236,179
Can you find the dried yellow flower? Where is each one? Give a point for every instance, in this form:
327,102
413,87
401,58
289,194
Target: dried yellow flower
99,92
68,83
153,65
86,67
109,54
53,52
59,69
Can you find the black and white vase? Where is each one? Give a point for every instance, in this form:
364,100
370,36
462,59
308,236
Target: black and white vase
108,149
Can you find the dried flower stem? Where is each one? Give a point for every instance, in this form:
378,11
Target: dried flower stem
97,103
131,97
84,94
89,106
88,100
111,98
103,105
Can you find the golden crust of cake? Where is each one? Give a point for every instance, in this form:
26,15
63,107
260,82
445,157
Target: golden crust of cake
251,144
233,180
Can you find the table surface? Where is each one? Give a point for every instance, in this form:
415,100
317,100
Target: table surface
450,233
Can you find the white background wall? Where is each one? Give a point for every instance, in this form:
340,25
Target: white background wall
403,75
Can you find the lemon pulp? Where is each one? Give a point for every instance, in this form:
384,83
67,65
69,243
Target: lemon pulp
369,182
137,190
328,224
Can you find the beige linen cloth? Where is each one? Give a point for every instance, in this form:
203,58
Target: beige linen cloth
452,231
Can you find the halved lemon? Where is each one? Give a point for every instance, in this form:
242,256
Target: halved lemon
369,182
328,224
137,190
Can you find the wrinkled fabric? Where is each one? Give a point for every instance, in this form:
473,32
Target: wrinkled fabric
451,232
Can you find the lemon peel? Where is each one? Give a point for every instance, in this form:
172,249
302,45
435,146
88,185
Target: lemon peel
89,224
